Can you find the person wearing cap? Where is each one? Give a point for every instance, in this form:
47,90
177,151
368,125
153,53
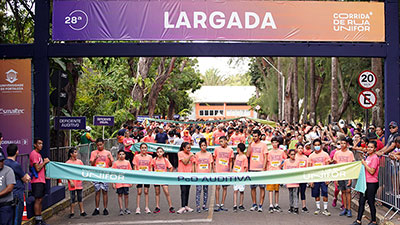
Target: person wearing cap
394,133
86,138
7,182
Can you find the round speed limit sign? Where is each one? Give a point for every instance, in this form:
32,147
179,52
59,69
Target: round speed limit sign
367,79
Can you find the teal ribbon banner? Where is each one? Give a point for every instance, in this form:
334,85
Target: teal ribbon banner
343,171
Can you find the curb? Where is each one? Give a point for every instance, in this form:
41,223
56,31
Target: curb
54,209
367,212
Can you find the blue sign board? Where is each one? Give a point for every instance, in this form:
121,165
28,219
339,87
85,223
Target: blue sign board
103,120
141,118
70,123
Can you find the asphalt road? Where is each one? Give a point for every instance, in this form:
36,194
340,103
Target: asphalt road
229,217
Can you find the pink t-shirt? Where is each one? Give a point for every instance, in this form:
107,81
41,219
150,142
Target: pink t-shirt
343,156
302,160
148,139
123,165
103,159
275,159
129,141
289,164
161,165
188,168
240,164
216,136
203,162
319,159
222,157
77,183
187,139
236,139
258,151
373,162
142,163
36,158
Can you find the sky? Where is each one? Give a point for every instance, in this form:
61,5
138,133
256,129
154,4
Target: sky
221,63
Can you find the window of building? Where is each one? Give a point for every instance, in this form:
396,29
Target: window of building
201,112
206,112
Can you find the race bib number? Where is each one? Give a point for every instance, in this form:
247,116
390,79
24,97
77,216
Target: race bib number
275,163
317,164
302,163
143,168
236,169
223,162
101,164
159,170
203,166
255,158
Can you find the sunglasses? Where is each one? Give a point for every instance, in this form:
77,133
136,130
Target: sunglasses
391,127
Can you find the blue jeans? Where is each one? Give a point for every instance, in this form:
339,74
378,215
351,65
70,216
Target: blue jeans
19,209
7,215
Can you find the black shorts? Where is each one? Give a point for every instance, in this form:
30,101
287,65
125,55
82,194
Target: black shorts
123,190
76,194
342,185
141,185
38,190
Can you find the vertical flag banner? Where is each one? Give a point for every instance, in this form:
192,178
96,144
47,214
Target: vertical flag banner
16,104
251,20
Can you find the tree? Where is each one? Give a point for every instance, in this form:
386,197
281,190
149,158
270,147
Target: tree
334,90
295,92
212,78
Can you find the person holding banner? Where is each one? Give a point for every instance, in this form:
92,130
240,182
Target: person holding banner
101,158
203,161
185,165
142,162
161,164
258,152
122,189
75,186
371,165
319,158
223,158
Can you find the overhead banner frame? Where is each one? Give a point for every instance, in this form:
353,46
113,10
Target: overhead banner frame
218,20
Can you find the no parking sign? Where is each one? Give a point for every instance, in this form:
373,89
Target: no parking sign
367,99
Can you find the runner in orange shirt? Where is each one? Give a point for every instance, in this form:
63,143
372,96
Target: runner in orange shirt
142,162
303,163
122,189
203,164
75,186
241,165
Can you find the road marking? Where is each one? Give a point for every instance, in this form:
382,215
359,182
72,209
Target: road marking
211,205
151,222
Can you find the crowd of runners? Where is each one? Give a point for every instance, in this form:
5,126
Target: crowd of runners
258,147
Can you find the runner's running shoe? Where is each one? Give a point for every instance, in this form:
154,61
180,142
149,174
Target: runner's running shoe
326,213
254,207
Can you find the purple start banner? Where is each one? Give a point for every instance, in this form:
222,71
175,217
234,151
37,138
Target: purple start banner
103,120
246,20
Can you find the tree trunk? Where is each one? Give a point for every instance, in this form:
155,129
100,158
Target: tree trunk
320,83
334,90
313,115
345,93
171,108
280,102
72,86
377,110
288,96
138,89
295,92
305,102
157,86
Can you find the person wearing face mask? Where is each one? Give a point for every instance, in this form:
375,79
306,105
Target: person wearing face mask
319,158
371,165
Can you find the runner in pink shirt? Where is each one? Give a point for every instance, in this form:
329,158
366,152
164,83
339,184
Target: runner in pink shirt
292,163
257,152
142,162
303,163
217,134
223,157
75,186
371,174
203,164
101,158
240,166
161,164
274,162
128,143
185,165
122,189
344,155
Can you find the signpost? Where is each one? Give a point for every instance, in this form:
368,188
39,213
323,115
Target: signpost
69,123
367,98
103,121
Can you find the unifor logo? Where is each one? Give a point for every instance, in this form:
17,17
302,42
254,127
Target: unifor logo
325,174
11,76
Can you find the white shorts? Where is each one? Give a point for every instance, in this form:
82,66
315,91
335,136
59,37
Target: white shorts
238,187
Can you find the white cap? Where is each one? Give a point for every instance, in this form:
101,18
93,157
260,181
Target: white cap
88,128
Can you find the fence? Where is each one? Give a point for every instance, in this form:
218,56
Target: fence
389,184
